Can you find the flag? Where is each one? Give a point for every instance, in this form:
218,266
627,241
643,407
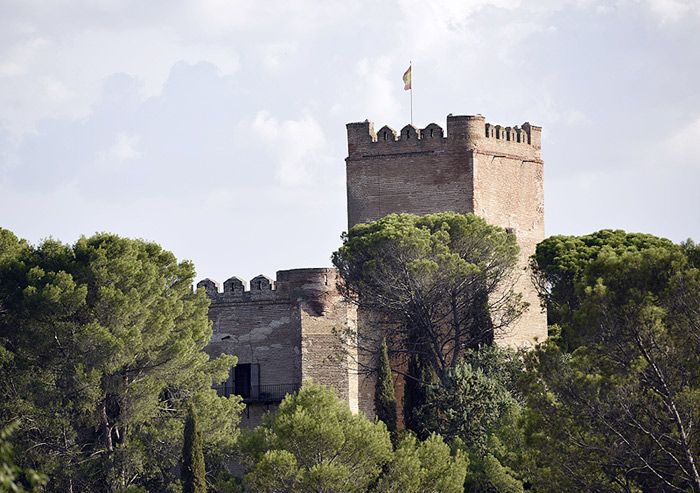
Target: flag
407,79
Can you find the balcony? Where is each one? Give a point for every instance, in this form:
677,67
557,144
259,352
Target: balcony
259,394
268,394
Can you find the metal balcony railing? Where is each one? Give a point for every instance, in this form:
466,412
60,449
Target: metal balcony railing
270,393
265,394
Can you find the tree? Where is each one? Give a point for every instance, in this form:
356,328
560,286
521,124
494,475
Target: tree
439,283
615,396
384,398
13,478
318,444
488,475
474,398
314,443
560,271
418,380
193,469
100,348
424,467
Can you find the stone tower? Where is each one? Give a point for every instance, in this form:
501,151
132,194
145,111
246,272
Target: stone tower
493,171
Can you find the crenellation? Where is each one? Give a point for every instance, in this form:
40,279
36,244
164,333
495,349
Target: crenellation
463,131
409,132
386,134
288,284
209,286
235,286
522,134
432,131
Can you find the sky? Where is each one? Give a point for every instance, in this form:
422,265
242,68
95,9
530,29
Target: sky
217,127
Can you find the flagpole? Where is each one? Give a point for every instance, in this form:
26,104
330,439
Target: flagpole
410,65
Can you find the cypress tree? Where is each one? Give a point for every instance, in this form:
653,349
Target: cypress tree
193,469
418,380
384,397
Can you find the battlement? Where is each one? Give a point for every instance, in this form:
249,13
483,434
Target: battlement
287,285
470,131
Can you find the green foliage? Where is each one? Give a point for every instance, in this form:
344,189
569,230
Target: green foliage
424,467
563,271
430,280
311,440
384,398
488,475
471,402
614,399
277,471
13,478
100,348
314,443
193,468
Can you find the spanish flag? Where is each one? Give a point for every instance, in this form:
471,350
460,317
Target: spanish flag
407,79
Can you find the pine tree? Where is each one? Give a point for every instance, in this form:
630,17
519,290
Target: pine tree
193,469
384,398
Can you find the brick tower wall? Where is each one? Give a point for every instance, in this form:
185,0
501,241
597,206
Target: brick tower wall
493,171
508,192
418,171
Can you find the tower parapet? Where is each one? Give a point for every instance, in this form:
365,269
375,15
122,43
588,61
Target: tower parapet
287,285
471,131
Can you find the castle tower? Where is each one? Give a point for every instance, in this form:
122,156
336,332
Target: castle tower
284,332
493,171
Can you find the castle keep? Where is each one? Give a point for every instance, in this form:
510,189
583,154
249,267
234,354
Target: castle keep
285,331
493,171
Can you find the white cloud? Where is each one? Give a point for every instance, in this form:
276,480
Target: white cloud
276,55
298,146
124,148
683,145
18,58
379,85
673,10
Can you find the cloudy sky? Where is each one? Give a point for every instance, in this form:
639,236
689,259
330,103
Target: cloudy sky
217,127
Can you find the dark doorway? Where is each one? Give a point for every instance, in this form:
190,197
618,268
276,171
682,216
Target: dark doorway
241,380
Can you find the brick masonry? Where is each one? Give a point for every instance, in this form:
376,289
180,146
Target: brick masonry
290,327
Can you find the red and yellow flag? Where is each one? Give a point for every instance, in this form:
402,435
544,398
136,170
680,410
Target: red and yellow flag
407,79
